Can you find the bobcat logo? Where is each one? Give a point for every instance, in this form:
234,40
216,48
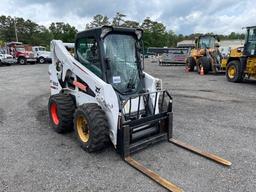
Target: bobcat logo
97,89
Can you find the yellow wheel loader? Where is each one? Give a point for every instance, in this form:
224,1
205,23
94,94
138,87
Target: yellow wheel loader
206,55
241,63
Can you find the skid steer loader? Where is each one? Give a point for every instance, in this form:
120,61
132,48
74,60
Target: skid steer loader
206,55
104,94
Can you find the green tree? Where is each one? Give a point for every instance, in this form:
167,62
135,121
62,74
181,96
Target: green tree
155,34
7,32
172,39
98,20
147,24
234,35
63,31
26,29
43,37
131,24
118,20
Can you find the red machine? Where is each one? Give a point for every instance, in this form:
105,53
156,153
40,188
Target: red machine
21,53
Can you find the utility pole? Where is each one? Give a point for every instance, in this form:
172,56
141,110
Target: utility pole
15,28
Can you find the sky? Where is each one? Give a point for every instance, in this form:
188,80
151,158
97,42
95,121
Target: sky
181,16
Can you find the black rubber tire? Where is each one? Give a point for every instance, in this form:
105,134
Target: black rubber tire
41,60
98,128
191,63
205,63
239,73
65,112
22,61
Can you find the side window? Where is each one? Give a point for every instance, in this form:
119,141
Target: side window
88,54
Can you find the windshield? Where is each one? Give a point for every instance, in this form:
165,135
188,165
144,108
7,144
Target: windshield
250,47
120,50
206,42
41,49
20,49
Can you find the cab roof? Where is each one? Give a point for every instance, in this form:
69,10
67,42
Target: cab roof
248,27
208,35
96,32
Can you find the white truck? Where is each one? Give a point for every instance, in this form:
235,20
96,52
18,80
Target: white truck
6,59
41,54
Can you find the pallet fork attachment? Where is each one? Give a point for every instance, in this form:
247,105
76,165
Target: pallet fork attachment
165,183
205,154
151,174
126,146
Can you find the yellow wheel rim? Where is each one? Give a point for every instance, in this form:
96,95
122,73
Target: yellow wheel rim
231,72
82,128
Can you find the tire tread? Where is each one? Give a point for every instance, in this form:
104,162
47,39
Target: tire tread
98,127
66,109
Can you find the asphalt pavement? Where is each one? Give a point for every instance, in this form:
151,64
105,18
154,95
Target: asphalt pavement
209,113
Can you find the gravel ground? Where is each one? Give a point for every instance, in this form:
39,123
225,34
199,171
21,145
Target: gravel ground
209,113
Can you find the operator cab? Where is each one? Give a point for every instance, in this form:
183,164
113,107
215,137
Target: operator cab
114,55
250,41
207,41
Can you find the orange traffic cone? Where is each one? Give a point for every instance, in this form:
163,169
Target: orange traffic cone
202,71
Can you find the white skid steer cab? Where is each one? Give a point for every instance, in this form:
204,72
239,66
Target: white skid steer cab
104,95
